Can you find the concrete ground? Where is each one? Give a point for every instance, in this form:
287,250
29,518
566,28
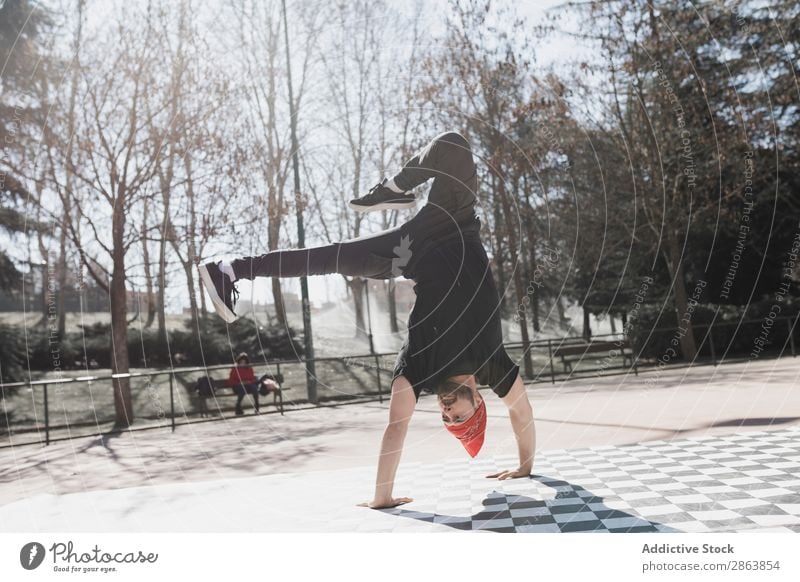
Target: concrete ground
305,471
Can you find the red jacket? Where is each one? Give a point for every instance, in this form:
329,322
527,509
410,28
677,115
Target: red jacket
243,375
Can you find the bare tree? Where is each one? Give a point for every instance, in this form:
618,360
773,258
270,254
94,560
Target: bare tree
111,169
484,81
350,67
263,62
399,112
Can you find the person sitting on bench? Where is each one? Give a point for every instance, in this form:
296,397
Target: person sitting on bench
243,381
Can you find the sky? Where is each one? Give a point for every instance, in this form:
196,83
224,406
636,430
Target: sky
330,288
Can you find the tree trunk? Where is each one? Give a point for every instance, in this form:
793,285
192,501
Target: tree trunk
67,199
123,404
273,238
357,285
45,268
612,322
676,267
562,316
531,274
192,242
166,178
271,170
587,324
498,253
188,263
203,307
280,305
530,236
519,288
148,275
188,269
61,271
162,273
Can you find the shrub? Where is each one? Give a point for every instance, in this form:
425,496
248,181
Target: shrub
653,331
11,354
209,340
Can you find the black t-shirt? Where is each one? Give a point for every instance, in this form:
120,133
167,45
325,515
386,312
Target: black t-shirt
454,327
433,227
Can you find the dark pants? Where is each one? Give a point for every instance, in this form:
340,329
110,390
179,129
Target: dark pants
242,390
451,200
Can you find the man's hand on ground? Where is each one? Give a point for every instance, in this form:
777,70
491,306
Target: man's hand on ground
378,504
513,474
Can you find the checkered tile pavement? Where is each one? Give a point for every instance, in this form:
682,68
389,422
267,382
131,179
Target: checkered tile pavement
742,482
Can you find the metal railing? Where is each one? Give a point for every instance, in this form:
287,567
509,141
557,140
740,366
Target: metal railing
551,345
171,373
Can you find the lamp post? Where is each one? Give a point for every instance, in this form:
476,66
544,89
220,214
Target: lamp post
311,376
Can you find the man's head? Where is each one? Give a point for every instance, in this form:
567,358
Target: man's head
242,359
463,411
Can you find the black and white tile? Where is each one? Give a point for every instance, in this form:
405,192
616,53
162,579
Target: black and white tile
742,482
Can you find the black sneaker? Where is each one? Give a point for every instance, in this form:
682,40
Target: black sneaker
221,289
382,198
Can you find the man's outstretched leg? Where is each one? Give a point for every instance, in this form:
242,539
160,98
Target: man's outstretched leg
447,159
372,256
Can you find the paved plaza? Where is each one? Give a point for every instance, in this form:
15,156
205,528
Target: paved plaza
708,449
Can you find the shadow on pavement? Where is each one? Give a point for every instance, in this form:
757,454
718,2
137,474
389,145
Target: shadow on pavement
767,421
569,511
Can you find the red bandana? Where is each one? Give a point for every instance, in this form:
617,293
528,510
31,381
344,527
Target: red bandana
472,431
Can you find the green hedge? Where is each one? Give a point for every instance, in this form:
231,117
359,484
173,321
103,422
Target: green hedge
11,354
206,341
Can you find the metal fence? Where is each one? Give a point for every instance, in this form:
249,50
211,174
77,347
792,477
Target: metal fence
50,409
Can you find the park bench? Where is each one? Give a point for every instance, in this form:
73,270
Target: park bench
570,353
222,390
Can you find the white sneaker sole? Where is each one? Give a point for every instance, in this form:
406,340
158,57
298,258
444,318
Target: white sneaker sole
383,206
219,305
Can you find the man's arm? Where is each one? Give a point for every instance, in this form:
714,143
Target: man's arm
521,414
401,407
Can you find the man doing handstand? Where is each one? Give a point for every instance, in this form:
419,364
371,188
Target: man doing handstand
454,340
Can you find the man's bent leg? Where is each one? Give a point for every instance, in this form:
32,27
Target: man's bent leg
449,161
